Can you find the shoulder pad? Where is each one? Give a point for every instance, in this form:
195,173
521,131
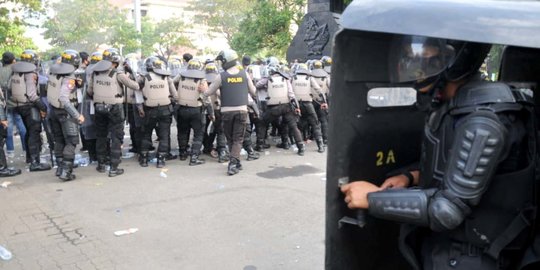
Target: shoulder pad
102,65
482,93
23,67
62,69
194,74
319,73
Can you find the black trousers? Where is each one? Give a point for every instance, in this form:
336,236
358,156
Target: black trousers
66,134
234,126
310,116
323,119
135,127
161,119
248,143
288,118
32,122
3,136
109,120
190,118
217,134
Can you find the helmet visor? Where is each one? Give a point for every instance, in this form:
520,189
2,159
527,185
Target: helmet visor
416,58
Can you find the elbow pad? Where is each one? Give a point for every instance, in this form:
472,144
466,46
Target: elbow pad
401,205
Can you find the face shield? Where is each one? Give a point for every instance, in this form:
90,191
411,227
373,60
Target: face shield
418,59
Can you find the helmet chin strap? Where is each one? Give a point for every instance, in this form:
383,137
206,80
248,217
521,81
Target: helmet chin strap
431,98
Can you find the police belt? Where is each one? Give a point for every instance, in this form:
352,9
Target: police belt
106,107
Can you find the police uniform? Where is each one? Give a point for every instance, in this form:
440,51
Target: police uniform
280,94
305,88
157,90
107,89
63,118
478,148
27,103
323,79
235,87
216,132
191,114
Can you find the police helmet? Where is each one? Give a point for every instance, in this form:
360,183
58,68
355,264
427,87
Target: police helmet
326,61
273,69
153,62
272,61
301,69
211,68
228,58
112,55
469,58
194,64
317,64
71,57
96,57
30,56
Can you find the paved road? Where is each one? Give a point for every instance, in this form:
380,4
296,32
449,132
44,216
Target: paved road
270,216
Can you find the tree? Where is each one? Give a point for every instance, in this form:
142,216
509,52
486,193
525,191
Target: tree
264,31
85,24
12,24
222,16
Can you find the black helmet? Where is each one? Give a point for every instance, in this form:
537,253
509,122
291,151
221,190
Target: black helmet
211,68
30,56
153,63
71,57
469,59
112,55
96,57
228,58
246,60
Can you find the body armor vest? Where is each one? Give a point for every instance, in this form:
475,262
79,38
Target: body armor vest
107,90
156,90
53,90
322,84
234,89
509,194
301,85
188,94
18,89
277,90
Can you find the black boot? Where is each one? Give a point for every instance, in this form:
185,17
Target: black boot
59,162
232,170
36,166
170,156
143,159
115,171
258,147
252,155
101,166
223,156
183,154
161,160
320,144
284,144
301,149
195,160
239,165
67,171
7,172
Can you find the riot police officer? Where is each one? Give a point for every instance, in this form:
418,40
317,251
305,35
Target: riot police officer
64,117
106,87
216,133
235,87
191,110
25,95
281,102
476,150
159,93
5,171
304,86
88,128
327,64
134,106
323,79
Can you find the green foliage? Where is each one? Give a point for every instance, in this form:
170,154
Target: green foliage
83,24
12,24
265,30
221,16
168,36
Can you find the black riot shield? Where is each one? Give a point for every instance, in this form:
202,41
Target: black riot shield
366,143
